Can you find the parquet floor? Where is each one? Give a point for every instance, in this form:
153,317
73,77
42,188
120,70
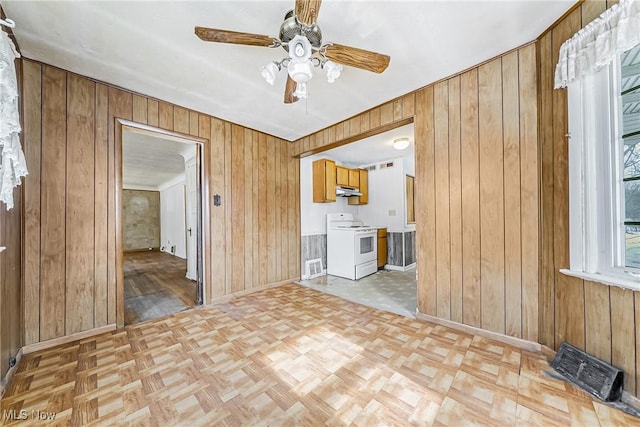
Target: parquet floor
294,356
155,285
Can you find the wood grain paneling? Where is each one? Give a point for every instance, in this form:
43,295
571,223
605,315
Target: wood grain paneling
80,204
53,199
101,210
512,211
529,191
425,202
11,336
71,243
455,199
32,120
492,252
442,191
470,198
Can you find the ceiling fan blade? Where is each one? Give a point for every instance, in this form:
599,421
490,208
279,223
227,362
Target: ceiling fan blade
225,36
359,58
307,11
288,91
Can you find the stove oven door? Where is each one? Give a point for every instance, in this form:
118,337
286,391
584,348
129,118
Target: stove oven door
365,247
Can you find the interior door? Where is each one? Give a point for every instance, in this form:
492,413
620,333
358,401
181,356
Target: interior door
192,219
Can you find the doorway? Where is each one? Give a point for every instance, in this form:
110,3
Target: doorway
390,172
159,222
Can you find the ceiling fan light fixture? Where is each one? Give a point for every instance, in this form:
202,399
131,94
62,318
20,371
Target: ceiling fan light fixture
301,91
332,69
299,49
269,72
300,72
401,143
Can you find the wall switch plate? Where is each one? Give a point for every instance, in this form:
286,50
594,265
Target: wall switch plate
216,200
392,212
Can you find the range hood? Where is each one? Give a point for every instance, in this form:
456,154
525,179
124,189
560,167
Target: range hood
347,192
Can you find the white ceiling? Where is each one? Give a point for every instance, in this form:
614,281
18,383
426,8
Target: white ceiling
150,48
374,149
150,161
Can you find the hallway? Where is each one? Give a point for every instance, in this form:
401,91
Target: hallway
155,285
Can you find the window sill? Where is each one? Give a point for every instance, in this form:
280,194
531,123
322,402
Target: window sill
611,280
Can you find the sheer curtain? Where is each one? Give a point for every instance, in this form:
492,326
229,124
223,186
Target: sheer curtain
597,44
12,162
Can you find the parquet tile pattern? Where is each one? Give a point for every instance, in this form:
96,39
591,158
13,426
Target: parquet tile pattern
294,356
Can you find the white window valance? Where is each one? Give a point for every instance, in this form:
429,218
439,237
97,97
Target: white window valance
12,162
597,44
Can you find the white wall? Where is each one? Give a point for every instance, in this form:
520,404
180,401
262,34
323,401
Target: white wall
172,219
313,216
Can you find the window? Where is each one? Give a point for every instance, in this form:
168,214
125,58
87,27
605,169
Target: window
630,139
604,173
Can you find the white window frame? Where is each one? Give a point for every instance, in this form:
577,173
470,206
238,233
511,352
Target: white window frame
596,192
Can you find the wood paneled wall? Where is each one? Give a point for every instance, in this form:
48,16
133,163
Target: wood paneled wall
603,320
10,282
476,191
69,200
477,196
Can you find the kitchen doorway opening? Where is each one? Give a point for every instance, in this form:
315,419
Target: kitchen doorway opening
382,198
159,222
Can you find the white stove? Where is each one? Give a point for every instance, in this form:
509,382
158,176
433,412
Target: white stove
352,250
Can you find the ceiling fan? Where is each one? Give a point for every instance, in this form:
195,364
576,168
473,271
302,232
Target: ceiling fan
301,37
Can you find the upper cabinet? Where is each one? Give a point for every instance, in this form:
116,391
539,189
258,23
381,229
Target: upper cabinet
342,176
326,176
324,181
363,186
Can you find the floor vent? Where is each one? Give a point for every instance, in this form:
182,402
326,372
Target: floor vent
593,375
313,268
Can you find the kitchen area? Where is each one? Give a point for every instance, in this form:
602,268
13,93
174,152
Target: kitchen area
357,221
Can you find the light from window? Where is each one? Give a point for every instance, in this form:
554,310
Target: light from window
630,138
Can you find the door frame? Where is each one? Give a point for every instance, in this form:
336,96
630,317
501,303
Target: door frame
203,249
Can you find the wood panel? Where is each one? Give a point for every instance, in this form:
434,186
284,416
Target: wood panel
32,120
529,191
442,190
569,315
425,202
470,198
512,211
53,199
101,216
623,349
71,240
237,208
248,209
598,321
455,199
491,196
80,203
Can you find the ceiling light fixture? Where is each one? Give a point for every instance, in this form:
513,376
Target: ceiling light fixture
300,65
401,143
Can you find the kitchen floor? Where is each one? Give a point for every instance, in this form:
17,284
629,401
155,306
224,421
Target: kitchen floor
389,290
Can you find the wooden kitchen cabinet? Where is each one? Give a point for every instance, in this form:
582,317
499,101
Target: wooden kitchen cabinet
382,247
324,181
363,186
342,176
354,178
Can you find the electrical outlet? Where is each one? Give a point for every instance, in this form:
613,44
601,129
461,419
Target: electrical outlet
392,212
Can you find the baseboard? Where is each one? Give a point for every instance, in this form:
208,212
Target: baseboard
399,267
6,381
516,342
142,250
44,345
226,298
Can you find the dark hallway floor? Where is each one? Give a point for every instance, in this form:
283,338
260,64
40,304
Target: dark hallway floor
155,285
